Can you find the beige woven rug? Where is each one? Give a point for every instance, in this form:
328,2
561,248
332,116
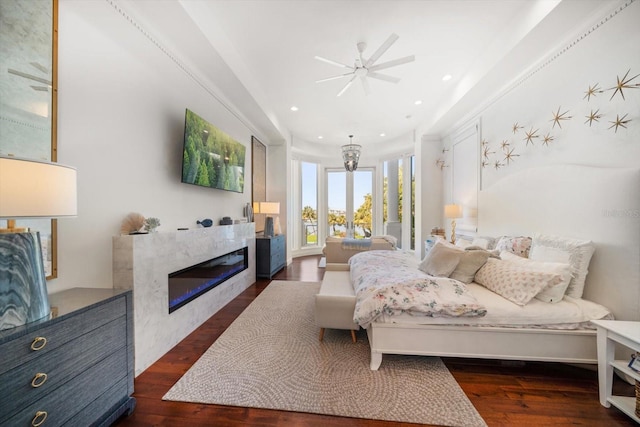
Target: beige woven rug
270,357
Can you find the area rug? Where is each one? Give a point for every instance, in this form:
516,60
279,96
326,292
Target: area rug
270,357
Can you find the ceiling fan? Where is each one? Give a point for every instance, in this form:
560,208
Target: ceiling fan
364,68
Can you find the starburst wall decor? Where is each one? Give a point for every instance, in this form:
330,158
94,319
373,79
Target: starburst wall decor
595,115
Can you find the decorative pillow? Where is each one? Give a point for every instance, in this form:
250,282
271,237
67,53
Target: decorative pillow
577,253
484,242
441,260
552,293
516,245
470,262
512,281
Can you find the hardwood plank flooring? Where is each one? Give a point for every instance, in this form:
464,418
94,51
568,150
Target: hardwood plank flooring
504,393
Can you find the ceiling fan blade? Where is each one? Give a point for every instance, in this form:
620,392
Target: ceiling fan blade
382,49
344,89
393,63
383,77
334,77
365,85
329,61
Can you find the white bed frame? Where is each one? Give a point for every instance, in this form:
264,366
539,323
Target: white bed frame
585,202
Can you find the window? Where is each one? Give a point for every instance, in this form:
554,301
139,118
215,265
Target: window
309,198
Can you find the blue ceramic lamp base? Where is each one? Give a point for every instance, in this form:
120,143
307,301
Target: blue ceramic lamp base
23,288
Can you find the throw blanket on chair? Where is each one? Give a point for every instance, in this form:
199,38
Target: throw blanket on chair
356,244
390,283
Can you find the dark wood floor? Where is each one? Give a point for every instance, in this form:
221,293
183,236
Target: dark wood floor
505,394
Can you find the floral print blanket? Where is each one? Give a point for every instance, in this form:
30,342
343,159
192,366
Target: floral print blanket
389,282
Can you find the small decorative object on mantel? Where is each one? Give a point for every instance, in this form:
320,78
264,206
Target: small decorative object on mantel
132,224
205,222
226,221
150,224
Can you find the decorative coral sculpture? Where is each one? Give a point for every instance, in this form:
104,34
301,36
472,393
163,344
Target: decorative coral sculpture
150,224
132,223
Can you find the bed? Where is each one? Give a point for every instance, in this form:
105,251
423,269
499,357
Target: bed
583,202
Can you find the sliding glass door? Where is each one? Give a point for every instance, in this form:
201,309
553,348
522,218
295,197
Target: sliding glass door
350,201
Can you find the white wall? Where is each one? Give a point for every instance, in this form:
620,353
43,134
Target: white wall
601,52
121,108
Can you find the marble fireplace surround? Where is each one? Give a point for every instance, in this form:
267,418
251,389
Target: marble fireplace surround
143,263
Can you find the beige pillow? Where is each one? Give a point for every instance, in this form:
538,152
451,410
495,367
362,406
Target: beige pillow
470,262
441,260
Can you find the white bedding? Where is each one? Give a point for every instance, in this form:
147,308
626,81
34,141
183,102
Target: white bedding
570,313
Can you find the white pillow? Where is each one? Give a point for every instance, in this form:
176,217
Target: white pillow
577,253
513,281
555,291
484,242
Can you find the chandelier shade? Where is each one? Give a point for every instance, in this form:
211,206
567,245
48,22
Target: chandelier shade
351,155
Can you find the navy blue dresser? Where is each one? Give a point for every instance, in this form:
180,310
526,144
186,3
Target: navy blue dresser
74,369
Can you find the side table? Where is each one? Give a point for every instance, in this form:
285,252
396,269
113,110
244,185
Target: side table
611,332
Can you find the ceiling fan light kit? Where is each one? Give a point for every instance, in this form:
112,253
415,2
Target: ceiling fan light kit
364,68
351,155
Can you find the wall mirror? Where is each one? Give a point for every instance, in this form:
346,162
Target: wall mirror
28,96
259,178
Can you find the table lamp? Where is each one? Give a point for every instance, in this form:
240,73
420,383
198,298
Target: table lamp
270,208
29,189
452,212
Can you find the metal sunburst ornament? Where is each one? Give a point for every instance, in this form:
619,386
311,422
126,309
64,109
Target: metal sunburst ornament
486,153
509,155
547,139
516,127
593,117
624,84
592,91
505,144
531,134
497,165
619,122
558,116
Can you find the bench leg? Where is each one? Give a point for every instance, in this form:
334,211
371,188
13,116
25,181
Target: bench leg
321,333
353,335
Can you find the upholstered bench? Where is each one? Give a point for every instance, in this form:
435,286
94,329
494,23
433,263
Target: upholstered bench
338,250
336,301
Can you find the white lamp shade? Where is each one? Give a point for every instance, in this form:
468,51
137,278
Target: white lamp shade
270,208
452,211
34,189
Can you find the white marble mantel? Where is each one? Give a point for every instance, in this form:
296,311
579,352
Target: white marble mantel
143,263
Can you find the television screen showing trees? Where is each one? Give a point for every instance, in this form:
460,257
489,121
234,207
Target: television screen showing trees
210,157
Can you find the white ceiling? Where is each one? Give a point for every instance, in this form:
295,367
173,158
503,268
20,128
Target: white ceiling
268,47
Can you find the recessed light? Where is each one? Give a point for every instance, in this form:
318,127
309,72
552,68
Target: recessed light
294,108
418,102
446,77
320,137
383,134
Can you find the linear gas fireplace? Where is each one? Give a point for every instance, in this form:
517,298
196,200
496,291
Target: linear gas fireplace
191,282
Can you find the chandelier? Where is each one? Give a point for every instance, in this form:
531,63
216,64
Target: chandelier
351,155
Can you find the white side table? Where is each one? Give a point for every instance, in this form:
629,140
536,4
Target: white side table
610,332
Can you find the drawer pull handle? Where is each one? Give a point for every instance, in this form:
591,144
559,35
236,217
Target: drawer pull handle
38,343
39,418
38,380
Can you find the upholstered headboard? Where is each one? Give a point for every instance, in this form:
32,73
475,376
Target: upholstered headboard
584,202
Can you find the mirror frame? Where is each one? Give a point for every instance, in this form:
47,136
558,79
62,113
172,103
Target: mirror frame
53,272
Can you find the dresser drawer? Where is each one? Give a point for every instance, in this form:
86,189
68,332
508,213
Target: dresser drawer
18,350
60,365
72,397
104,404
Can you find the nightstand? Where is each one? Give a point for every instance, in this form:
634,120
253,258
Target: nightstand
610,332
270,255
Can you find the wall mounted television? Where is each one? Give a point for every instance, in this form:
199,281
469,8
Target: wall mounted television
210,157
